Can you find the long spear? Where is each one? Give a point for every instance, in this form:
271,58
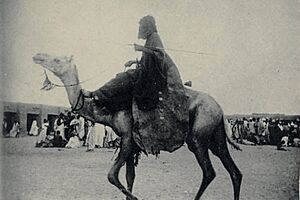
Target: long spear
178,50
168,49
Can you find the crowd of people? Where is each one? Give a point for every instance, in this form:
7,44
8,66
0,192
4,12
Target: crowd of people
260,131
72,131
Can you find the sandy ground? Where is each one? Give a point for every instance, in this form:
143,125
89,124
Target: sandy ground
50,174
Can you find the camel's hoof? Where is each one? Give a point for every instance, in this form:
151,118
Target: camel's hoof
131,198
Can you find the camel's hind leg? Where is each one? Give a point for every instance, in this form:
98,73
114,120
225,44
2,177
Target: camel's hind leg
131,163
130,172
201,154
124,154
220,149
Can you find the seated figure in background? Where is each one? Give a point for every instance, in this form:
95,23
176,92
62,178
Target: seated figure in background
74,141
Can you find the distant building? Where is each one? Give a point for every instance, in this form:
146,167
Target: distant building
25,113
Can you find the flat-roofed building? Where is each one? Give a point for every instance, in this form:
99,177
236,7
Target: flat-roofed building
25,113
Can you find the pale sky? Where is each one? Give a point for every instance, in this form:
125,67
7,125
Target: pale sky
255,66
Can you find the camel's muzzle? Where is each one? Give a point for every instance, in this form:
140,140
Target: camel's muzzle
38,58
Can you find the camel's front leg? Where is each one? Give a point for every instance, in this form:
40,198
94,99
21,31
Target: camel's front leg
125,153
130,172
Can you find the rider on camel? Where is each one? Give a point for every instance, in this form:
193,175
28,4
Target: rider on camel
143,83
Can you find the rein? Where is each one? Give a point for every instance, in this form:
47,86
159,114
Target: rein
75,109
58,85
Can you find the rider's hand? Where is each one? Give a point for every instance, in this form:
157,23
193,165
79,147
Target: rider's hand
129,63
138,47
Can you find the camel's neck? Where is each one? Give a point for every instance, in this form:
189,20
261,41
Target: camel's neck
71,81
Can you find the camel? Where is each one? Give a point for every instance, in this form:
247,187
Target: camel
207,129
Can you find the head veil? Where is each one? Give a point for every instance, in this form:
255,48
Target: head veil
147,27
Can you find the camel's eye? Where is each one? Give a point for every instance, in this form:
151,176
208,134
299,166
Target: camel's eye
56,60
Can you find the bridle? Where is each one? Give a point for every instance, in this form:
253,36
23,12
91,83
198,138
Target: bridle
73,109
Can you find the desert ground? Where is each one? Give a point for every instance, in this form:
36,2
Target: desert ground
30,173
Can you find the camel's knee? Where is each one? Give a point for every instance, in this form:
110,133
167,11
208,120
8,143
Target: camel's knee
191,147
192,143
209,176
238,176
111,178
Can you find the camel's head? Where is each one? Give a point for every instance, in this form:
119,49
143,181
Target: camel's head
58,65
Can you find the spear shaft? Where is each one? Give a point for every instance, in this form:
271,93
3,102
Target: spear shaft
178,50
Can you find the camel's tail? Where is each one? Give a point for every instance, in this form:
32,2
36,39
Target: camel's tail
228,136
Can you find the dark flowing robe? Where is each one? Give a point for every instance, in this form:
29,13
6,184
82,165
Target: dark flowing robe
160,109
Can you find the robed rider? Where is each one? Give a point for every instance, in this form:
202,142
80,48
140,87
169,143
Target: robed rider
154,90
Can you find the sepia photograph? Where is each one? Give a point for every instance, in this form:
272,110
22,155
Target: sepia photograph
150,100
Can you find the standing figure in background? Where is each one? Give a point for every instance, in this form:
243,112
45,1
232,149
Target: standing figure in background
111,136
74,125
14,132
55,126
278,132
256,125
266,132
81,133
271,128
105,138
99,134
244,129
43,134
292,134
4,127
67,121
86,130
236,130
60,127
239,129
91,136
34,130
252,130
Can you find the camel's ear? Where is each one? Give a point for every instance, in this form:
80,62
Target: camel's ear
71,58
